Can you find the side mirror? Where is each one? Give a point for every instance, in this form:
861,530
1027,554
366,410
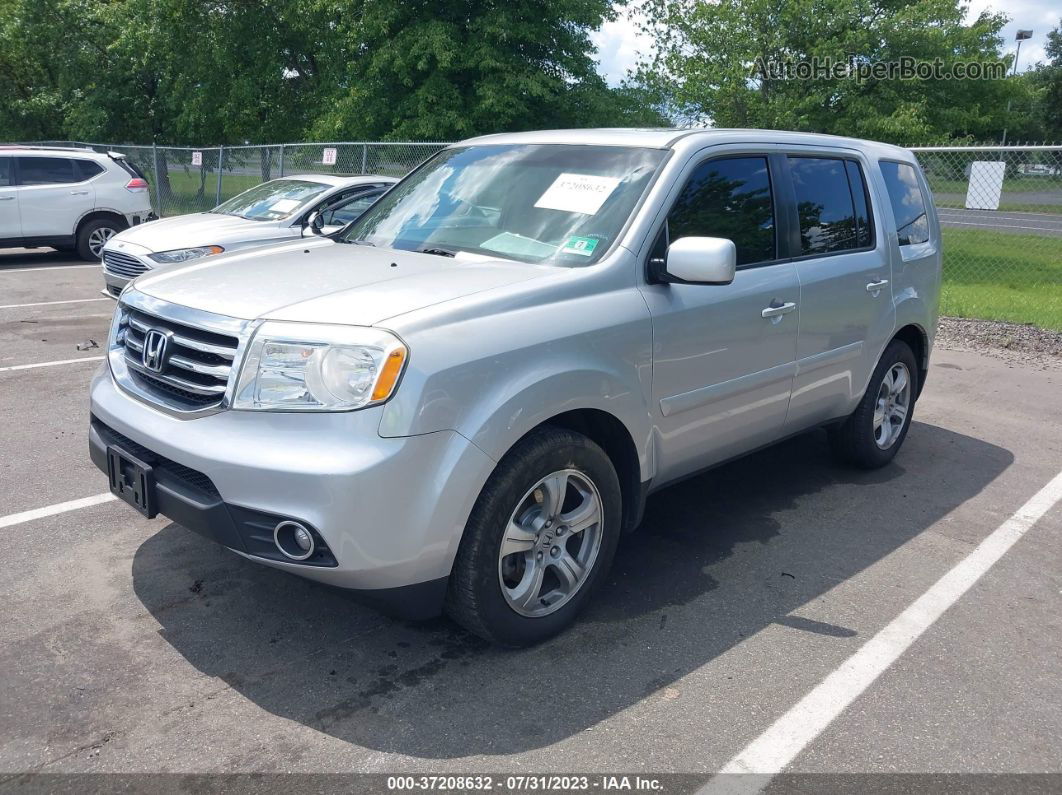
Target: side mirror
315,223
701,260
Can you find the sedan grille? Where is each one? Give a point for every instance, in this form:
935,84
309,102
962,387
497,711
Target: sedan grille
186,366
123,264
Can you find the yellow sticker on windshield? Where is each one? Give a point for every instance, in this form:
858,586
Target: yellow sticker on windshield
583,246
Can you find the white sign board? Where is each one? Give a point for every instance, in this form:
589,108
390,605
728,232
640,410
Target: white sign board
328,156
197,158
986,184
577,193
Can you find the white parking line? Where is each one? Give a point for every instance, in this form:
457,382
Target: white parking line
53,303
48,268
52,510
50,364
772,751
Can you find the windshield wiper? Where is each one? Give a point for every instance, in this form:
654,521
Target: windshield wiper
441,252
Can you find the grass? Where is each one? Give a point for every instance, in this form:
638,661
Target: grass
1012,184
998,276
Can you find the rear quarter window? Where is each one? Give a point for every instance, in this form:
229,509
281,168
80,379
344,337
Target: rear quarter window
908,203
86,169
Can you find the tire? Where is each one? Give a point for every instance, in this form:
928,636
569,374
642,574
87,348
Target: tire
91,233
492,595
862,440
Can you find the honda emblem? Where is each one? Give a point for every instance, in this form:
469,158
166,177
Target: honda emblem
155,344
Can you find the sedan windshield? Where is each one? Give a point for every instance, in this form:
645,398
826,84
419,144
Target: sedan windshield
272,201
559,204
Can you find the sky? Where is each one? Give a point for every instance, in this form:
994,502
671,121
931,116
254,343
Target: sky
620,45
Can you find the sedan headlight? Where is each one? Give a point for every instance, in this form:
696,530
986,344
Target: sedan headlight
310,367
185,254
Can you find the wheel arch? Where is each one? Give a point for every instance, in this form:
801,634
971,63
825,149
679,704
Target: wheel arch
94,215
917,339
611,435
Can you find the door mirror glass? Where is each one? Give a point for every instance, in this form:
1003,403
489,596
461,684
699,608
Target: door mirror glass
701,260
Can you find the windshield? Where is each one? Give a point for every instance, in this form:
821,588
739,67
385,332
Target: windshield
272,201
533,203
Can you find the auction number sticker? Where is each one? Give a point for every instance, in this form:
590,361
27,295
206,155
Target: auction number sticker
577,193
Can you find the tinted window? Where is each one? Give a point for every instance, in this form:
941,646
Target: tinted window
45,170
86,169
859,196
908,205
5,171
728,198
825,206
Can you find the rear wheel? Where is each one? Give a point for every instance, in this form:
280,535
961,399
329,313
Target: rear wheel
540,539
93,235
872,435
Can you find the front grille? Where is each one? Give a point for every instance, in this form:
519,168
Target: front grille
194,367
123,264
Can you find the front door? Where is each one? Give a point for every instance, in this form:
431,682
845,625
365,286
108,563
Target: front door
723,355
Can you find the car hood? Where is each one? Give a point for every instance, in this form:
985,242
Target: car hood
326,282
197,229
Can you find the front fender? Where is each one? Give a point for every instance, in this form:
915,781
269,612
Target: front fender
496,377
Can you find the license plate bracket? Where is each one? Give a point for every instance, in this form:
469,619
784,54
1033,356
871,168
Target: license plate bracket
132,480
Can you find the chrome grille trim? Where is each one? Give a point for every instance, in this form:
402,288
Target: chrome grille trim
124,265
201,362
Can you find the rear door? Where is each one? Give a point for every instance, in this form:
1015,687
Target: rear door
846,309
52,195
10,226
723,355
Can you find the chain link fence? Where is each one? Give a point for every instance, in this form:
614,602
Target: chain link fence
189,180
1000,207
1001,213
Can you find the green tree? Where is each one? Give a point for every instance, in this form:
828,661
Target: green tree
446,69
712,57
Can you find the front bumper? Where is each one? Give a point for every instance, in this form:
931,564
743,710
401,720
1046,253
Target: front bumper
391,511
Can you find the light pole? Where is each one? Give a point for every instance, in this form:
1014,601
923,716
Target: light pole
1021,36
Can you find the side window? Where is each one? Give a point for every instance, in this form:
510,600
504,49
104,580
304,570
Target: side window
5,171
908,204
350,209
730,198
45,171
827,212
86,169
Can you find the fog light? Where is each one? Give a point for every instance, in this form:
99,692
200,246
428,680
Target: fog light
293,540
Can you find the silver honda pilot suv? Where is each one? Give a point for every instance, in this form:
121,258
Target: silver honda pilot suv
461,400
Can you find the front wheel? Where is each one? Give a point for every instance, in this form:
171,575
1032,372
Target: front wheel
872,435
540,539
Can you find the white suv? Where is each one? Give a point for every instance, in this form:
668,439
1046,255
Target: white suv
69,199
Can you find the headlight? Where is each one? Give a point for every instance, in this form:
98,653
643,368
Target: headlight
185,254
310,367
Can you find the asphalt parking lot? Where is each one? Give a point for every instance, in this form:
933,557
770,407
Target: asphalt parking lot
131,645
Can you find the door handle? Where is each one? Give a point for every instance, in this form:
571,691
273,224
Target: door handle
79,193
874,287
779,310
7,198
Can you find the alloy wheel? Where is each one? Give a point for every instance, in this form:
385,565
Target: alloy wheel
892,406
551,543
